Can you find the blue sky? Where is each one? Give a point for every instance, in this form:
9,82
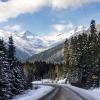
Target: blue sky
45,18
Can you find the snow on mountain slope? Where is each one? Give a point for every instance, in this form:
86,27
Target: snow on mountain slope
55,54
58,38
25,46
28,44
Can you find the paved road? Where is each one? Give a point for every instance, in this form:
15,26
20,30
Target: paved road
64,93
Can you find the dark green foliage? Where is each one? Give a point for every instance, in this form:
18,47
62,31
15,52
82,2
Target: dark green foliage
82,58
17,79
39,70
59,70
52,55
5,86
12,80
92,26
11,50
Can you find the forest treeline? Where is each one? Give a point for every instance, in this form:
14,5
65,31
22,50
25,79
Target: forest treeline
12,79
82,58
81,61
42,70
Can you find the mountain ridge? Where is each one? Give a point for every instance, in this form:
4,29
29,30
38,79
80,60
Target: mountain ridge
28,43
55,54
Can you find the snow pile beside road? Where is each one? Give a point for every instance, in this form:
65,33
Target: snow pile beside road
34,94
62,81
47,81
37,82
43,81
93,94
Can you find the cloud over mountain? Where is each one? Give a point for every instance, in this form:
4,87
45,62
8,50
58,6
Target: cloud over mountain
61,27
13,8
13,27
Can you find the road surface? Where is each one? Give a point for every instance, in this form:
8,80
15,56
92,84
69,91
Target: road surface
64,93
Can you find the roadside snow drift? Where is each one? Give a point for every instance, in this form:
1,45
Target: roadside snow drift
91,94
34,94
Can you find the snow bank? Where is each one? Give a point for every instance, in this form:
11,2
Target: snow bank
47,81
34,94
62,81
37,82
93,94
43,81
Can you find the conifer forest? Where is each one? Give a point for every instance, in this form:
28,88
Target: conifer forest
81,65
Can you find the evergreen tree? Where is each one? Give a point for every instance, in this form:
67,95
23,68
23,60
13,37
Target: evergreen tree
5,90
58,70
66,57
12,63
74,59
93,49
17,79
98,69
82,58
11,51
92,26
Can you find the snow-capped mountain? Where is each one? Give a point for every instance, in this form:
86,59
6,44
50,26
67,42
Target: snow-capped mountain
53,55
56,54
57,38
28,43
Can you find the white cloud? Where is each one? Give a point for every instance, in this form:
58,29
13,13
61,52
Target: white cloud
59,27
60,4
13,8
13,27
62,27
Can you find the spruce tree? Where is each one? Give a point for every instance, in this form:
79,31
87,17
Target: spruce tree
92,27
66,59
82,57
5,86
17,79
94,53
98,69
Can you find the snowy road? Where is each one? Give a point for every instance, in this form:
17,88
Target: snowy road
56,92
65,93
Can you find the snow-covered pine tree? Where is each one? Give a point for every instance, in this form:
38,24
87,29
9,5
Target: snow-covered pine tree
66,59
12,63
82,56
73,62
93,56
17,79
23,83
94,53
98,70
5,86
83,59
79,55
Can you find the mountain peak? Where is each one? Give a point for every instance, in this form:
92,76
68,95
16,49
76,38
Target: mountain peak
28,43
27,34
